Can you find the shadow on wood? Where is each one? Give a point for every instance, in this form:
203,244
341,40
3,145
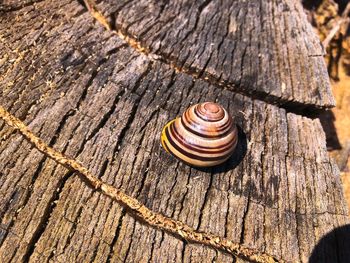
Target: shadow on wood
327,120
333,247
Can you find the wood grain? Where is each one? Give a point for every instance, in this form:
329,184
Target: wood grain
93,96
234,45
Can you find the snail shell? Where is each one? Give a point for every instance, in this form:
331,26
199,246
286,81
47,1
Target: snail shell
203,136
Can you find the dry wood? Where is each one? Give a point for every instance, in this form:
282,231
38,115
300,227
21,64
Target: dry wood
152,218
223,32
101,100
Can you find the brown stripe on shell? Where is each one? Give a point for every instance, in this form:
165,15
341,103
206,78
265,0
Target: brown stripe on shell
224,126
199,113
219,149
203,136
193,156
210,129
197,145
192,118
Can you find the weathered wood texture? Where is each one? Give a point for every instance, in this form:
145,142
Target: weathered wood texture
233,43
91,95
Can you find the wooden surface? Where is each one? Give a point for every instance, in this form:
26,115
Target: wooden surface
235,44
103,101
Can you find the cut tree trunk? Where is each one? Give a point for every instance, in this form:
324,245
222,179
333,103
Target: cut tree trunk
99,87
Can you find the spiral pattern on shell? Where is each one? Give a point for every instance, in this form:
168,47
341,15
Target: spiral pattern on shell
203,136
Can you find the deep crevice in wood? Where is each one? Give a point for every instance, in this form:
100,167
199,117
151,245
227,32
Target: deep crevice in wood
53,140
153,118
27,196
149,260
183,250
129,247
138,210
105,117
6,231
46,217
305,109
205,200
116,235
74,228
134,110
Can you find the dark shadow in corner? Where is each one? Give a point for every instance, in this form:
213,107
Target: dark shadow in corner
333,247
235,159
327,120
311,4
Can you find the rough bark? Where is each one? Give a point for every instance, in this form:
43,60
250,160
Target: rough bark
103,101
234,44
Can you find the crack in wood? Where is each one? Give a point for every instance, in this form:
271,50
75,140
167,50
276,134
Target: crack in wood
137,209
54,139
105,117
245,212
150,259
28,194
183,251
206,198
132,130
299,108
116,235
199,11
6,231
60,127
131,241
133,111
74,228
51,143
46,217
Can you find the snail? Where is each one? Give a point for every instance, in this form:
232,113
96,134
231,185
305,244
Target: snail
203,136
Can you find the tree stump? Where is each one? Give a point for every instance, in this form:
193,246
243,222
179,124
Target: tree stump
98,83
